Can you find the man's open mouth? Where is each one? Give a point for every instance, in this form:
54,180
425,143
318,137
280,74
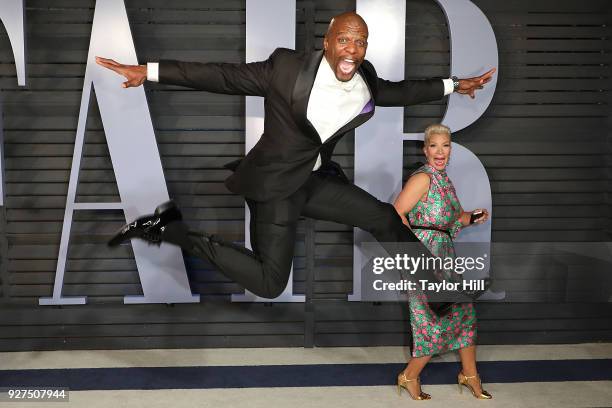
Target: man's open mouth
347,66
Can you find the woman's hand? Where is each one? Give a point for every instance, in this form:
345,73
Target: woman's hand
484,217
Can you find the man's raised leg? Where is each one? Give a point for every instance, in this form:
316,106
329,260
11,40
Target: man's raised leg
331,199
263,271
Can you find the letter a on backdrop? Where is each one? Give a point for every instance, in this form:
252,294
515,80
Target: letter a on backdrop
136,162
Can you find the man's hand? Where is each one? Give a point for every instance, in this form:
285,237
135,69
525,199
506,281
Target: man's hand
470,85
135,74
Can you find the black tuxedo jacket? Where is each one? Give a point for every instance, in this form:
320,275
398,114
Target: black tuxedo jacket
283,159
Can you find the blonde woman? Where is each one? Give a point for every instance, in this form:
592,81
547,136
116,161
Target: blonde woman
429,205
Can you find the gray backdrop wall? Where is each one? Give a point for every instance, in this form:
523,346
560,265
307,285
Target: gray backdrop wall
545,142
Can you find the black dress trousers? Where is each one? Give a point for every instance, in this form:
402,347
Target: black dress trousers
265,270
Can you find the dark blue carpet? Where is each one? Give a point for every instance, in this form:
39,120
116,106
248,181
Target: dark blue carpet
315,375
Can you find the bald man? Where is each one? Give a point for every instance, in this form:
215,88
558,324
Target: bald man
311,101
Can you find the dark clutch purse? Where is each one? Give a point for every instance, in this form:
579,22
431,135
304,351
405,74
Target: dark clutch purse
442,309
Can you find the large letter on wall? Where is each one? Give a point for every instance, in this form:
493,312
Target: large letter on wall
12,16
265,31
379,143
136,162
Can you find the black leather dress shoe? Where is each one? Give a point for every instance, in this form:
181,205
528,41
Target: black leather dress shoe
148,227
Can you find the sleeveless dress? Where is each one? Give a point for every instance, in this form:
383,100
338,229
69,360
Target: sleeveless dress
441,210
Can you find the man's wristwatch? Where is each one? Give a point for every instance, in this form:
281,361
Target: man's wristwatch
455,83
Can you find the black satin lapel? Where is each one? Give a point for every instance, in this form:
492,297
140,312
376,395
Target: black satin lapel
301,91
370,80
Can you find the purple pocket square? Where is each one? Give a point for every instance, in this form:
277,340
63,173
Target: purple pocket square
368,107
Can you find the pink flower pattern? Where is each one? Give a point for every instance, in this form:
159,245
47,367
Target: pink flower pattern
441,209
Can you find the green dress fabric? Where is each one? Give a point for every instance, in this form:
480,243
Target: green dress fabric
441,209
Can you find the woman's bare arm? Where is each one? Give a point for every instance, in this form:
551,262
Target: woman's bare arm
415,188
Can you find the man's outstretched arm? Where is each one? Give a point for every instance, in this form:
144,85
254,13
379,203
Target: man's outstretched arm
238,79
411,92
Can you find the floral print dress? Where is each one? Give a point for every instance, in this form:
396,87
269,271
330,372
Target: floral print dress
441,210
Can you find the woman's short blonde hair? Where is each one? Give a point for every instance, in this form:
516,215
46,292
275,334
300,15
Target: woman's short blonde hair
436,129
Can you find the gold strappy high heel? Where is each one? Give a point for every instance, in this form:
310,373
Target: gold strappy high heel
402,382
462,379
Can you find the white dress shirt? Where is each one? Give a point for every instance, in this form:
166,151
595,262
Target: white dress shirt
333,103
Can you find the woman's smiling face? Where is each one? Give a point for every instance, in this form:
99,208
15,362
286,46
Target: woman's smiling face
437,150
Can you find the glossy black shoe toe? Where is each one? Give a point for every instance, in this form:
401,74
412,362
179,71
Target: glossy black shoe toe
148,227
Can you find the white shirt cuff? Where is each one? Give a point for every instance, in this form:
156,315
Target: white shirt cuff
153,71
448,86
